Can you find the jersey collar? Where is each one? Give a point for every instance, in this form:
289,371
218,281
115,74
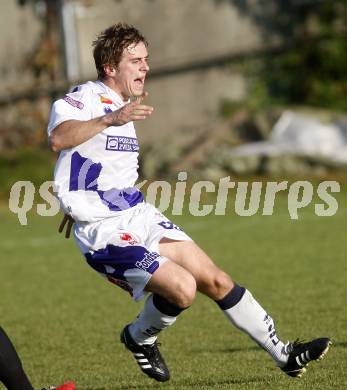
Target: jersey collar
113,95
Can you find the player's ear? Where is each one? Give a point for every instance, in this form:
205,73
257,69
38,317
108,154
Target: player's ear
110,70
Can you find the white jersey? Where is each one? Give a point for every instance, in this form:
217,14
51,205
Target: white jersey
118,233
95,180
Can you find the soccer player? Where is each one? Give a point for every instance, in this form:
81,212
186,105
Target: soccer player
127,240
12,374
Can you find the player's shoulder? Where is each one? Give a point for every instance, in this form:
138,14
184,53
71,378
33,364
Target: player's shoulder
81,95
92,87
85,90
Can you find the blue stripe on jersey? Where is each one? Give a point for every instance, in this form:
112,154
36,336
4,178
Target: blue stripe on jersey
117,200
84,174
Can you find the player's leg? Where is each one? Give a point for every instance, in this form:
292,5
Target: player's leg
137,269
242,309
173,290
210,279
235,301
12,374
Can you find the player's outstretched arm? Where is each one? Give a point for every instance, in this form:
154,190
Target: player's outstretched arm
74,132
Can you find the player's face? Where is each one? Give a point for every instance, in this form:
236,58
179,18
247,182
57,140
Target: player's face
130,76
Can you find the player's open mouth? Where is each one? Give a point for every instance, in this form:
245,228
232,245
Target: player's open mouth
139,82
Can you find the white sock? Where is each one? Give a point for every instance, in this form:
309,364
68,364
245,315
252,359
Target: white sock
149,323
248,316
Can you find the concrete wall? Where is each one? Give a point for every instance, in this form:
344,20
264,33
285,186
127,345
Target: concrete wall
180,33
178,30
20,31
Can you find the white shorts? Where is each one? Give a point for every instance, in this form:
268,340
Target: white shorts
125,248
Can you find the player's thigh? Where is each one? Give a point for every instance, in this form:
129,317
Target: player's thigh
210,279
174,283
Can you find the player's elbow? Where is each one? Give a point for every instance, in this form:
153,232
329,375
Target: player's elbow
55,143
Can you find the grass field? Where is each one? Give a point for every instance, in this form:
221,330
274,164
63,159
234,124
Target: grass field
65,319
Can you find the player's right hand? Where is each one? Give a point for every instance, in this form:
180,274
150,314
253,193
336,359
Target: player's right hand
133,111
69,221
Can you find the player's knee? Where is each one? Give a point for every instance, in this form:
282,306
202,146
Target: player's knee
220,284
185,290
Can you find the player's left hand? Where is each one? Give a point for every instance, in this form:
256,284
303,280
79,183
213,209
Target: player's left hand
69,221
132,111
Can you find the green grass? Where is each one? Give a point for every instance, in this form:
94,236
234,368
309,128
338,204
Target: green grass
65,319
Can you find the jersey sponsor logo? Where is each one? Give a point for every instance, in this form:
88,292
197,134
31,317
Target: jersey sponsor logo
148,261
122,144
73,102
105,100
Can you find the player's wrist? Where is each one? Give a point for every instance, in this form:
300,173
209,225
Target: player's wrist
113,119
107,120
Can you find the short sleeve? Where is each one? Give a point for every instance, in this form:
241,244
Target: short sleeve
74,105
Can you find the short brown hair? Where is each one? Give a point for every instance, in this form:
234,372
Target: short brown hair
110,43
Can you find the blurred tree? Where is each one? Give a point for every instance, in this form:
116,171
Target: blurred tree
312,66
47,59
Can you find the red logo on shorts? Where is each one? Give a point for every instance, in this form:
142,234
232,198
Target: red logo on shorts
129,238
